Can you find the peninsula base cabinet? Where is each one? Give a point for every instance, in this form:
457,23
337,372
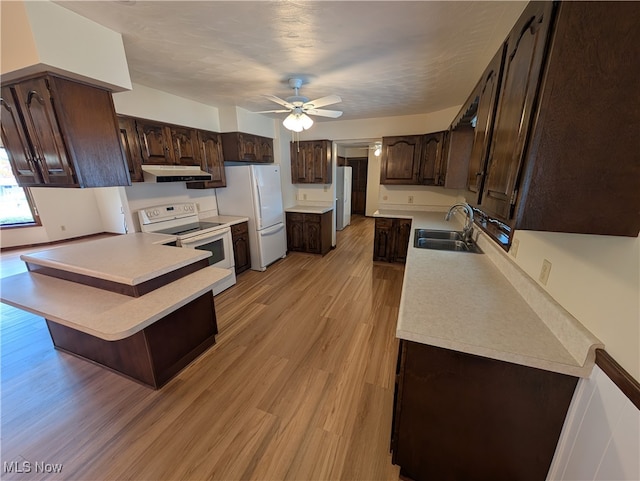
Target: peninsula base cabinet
308,232
391,239
463,417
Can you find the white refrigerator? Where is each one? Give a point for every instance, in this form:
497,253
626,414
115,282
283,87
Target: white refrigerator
343,197
254,191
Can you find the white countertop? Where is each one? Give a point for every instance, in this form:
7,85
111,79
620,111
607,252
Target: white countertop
128,259
310,209
102,313
484,304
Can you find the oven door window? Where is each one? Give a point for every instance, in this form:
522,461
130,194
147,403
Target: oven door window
217,251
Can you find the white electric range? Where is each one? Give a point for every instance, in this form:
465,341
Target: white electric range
182,221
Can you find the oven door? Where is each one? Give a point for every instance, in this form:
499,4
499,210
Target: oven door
217,242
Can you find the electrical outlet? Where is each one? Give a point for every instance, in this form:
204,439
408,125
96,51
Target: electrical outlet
514,248
326,188
63,228
304,196
410,199
544,272
385,197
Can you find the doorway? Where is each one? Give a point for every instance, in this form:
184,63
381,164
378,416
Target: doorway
359,167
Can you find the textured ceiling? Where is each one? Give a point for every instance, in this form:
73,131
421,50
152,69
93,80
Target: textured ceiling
383,58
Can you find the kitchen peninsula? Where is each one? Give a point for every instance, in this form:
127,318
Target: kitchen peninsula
127,303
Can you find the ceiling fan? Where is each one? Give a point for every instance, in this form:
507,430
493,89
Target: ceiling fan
300,108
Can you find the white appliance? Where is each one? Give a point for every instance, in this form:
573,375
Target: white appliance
343,194
254,191
182,220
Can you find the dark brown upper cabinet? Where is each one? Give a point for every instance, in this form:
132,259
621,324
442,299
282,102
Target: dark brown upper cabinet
61,133
401,159
564,148
242,147
166,144
412,159
311,162
212,161
131,146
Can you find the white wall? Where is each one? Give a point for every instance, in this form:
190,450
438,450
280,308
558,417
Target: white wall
50,37
600,440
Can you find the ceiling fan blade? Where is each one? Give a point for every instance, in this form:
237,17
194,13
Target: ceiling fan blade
322,101
272,111
278,100
334,114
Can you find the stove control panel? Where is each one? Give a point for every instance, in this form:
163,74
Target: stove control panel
163,213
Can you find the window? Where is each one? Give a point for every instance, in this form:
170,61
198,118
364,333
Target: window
16,206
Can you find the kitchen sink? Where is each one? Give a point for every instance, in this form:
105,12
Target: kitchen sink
444,241
438,234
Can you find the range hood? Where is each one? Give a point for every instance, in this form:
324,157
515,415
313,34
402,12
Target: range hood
173,173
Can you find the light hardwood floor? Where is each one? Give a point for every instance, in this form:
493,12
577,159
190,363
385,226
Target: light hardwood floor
299,385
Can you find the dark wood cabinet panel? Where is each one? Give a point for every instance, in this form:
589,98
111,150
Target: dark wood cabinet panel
486,95
241,253
431,161
525,49
184,143
25,167
131,146
309,232
311,162
211,160
155,142
62,133
460,416
391,239
242,147
401,158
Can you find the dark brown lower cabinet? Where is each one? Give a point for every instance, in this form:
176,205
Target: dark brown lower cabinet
307,232
240,240
391,239
463,417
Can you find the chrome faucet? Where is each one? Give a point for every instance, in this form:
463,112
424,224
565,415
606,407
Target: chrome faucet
467,231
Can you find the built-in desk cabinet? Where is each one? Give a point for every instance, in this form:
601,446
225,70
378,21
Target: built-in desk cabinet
61,133
240,241
309,232
391,239
465,417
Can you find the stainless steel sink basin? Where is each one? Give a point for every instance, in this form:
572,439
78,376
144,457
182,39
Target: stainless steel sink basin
438,234
443,241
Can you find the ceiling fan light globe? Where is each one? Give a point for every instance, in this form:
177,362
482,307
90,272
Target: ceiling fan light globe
292,122
306,121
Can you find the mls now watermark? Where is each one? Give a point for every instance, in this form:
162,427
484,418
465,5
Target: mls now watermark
29,467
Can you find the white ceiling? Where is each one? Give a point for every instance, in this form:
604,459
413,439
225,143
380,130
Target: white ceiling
384,58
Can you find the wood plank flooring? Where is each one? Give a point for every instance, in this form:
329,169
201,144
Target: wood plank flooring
299,385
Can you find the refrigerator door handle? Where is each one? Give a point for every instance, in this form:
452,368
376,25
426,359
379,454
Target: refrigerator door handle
272,230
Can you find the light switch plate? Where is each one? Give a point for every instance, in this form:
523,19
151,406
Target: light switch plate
513,250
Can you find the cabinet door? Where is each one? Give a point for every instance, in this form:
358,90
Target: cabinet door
400,163
131,146
525,49
248,147
300,162
184,142
383,240
321,162
431,158
401,241
312,233
241,255
265,149
488,90
295,232
212,158
43,130
155,143
15,141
